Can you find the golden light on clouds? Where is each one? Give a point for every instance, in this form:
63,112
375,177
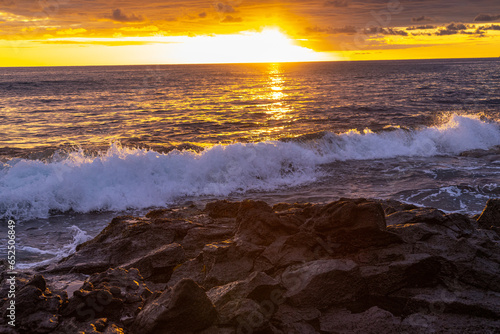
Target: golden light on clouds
230,31
269,45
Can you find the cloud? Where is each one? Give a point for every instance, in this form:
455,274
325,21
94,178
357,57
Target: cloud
490,27
337,3
202,15
225,8
386,31
424,27
119,16
452,29
331,30
421,19
486,18
230,19
71,31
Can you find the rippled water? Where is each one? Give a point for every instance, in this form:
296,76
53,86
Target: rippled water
81,144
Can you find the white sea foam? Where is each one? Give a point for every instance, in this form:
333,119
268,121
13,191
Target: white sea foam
79,236
124,178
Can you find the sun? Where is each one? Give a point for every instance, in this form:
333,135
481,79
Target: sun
267,46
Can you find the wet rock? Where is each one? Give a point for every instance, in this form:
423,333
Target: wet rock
181,309
125,240
490,217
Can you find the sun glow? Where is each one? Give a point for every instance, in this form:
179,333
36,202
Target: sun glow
268,46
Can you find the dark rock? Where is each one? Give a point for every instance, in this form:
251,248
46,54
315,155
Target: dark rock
259,225
292,268
37,308
117,294
158,265
321,283
258,287
490,217
222,209
197,237
349,225
182,309
123,241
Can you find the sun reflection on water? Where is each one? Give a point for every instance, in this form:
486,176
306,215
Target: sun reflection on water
277,109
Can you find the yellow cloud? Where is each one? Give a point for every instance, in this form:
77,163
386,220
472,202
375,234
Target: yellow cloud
71,31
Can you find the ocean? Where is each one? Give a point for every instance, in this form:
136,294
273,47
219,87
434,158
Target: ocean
80,145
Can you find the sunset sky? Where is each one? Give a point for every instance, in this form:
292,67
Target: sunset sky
98,32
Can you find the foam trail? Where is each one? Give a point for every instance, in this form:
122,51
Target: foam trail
123,178
79,237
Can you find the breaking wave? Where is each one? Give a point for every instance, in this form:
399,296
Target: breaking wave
123,178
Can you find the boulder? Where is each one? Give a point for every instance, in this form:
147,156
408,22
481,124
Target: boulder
222,209
182,309
125,240
36,307
117,294
258,224
158,265
490,217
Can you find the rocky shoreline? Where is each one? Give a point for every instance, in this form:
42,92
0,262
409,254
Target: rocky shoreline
350,266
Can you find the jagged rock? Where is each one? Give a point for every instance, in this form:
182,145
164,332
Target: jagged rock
181,309
219,264
298,248
258,287
246,315
490,217
197,237
117,294
372,321
321,283
158,265
349,225
126,239
36,307
258,224
222,209
290,268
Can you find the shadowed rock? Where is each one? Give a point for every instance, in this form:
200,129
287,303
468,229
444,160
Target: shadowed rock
291,268
490,217
182,309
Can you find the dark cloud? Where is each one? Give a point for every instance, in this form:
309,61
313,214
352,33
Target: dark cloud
202,15
331,30
486,18
427,26
230,19
453,29
421,19
119,16
490,27
386,31
337,3
225,8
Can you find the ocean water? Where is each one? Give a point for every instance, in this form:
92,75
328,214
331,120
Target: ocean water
80,145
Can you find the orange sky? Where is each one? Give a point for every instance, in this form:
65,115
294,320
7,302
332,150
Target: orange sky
66,32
